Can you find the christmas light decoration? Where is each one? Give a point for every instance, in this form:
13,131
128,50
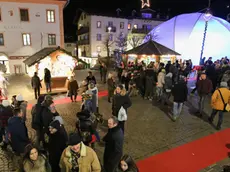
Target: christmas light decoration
145,3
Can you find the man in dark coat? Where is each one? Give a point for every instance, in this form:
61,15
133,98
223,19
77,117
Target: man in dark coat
114,140
36,84
179,91
18,132
36,123
47,80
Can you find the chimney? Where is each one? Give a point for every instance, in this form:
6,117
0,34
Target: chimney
118,11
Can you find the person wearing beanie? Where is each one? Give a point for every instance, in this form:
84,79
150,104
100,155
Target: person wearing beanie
120,99
220,98
57,143
22,105
77,154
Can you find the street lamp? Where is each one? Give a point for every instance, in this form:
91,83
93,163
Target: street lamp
109,29
207,16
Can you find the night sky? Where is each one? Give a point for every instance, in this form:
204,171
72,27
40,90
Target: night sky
219,8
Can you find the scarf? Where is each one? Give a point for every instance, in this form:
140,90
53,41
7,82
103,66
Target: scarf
75,165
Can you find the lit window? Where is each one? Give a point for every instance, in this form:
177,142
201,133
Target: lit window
1,39
50,16
121,25
110,37
99,24
135,26
146,15
98,37
24,14
51,39
129,26
26,39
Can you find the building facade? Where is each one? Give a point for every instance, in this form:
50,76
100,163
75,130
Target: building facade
99,34
27,26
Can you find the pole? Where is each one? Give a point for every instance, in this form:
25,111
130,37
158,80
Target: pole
203,42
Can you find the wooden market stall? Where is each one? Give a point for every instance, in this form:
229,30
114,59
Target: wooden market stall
58,61
151,51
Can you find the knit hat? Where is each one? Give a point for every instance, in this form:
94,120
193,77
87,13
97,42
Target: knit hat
224,84
5,103
55,124
48,97
74,139
19,98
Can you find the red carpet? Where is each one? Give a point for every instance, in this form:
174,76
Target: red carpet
67,99
191,157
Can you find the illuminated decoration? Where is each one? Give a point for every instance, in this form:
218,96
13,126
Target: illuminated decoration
145,3
184,34
61,66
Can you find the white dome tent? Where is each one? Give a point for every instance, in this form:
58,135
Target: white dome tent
184,34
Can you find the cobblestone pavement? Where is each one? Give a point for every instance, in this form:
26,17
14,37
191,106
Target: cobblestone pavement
149,129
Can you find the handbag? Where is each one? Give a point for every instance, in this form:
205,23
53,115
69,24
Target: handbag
122,115
226,105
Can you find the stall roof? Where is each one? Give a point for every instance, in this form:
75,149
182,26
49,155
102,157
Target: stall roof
42,54
152,48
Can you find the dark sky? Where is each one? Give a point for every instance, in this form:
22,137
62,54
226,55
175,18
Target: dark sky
218,7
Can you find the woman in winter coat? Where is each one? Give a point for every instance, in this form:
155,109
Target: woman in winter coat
160,84
34,161
111,86
72,88
57,143
120,99
127,165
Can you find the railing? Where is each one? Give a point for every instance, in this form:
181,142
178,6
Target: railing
83,42
82,30
111,29
141,31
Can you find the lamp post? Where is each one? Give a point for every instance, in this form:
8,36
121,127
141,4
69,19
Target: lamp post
207,16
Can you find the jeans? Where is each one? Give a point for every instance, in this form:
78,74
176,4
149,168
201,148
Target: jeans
122,125
221,116
48,86
159,92
177,108
201,103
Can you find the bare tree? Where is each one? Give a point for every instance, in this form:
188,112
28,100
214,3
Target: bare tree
134,41
107,43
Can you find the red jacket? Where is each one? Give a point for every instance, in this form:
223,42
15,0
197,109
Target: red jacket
204,86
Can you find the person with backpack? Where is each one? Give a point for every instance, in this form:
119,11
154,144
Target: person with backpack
220,98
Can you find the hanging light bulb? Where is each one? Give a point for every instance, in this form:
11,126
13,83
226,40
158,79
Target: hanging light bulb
208,15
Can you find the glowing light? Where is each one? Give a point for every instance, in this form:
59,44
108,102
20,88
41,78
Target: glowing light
184,34
145,3
109,29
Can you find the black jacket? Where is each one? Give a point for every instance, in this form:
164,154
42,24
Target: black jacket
47,77
18,134
180,92
57,143
119,101
114,140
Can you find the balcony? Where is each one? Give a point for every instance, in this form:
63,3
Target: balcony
111,29
83,42
141,31
82,30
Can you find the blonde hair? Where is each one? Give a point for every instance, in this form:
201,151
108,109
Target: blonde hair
123,92
110,75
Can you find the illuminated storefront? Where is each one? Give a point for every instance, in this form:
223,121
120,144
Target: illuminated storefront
60,63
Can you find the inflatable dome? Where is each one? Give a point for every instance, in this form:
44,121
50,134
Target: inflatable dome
184,34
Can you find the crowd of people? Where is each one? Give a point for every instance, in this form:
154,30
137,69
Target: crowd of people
55,150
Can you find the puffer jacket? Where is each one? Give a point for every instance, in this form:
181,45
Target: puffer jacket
161,79
216,101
